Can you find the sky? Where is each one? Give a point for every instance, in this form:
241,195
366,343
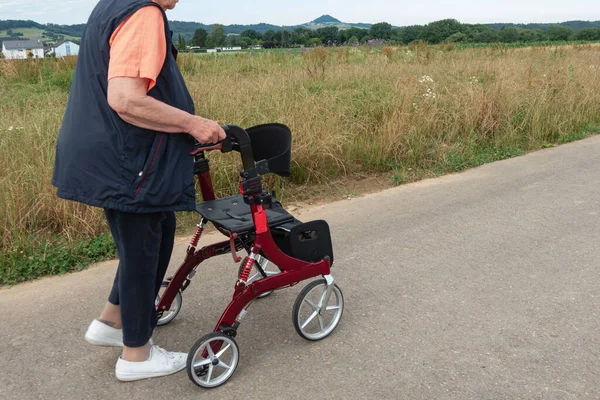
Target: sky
296,12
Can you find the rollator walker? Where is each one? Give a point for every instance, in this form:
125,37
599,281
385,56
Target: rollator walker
281,252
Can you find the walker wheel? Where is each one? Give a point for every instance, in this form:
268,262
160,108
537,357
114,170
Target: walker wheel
168,315
316,312
268,267
212,360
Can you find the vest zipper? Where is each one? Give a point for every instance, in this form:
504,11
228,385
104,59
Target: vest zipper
151,165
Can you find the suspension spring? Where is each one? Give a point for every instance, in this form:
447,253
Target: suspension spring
246,269
197,235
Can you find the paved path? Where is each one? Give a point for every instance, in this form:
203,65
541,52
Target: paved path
482,285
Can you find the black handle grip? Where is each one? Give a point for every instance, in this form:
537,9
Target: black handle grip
237,139
240,141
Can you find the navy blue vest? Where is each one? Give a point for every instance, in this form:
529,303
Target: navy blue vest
102,160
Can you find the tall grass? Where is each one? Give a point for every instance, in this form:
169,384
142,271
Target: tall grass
412,112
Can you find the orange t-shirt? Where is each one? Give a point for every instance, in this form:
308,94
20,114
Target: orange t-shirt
138,47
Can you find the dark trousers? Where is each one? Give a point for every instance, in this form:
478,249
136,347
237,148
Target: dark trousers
144,245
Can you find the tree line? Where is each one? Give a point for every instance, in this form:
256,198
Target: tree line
448,30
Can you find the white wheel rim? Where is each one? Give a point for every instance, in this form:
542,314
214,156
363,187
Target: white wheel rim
319,316
171,313
219,365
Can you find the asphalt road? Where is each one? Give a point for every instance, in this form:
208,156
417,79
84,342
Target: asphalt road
481,285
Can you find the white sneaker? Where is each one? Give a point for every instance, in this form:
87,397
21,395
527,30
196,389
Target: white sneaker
160,363
100,334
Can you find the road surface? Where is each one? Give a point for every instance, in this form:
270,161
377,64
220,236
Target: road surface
480,285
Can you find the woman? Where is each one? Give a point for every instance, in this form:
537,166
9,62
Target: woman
124,146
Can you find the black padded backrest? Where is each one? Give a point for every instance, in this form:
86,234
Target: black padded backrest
272,142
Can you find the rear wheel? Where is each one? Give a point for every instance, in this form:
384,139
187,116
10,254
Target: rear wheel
167,316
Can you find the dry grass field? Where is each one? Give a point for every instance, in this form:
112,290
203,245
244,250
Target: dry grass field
407,112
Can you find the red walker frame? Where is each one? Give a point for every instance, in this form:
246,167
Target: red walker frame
293,270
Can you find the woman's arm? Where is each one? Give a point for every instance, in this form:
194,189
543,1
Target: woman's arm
127,96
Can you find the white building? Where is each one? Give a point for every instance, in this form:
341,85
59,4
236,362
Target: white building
22,49
64,49
237,48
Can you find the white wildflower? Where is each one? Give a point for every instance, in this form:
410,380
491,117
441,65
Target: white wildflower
430,94
10,129
426,79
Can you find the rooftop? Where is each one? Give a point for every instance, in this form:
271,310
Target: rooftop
23,44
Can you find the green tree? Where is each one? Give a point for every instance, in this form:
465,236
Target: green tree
559,32
246,41
509,34
181,43
409,34
199,38
252,34
382,30
457,37
347,34
485,35
328,34
438,31
315,42
353,40
285,38
590,34
233,41
270,36
209,42
217,34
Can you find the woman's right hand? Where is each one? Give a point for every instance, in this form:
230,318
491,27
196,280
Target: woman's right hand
205,131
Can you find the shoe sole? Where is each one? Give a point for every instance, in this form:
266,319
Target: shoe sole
125,377
102,342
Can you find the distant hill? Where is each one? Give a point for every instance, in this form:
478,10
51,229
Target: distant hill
327,19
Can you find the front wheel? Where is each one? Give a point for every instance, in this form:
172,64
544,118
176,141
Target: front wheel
318,311
212,360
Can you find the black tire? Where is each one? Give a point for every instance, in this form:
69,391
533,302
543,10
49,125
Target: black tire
298,305
193,371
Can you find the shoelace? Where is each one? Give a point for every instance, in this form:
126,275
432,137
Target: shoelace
164,352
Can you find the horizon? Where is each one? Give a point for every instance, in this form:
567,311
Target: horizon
298,12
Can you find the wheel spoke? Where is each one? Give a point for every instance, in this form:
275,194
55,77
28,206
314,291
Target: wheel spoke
325,299
209,374
312,305
333,308
254,277
321,323
309,320
219,354
202,363
210,351
323,296
223,365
